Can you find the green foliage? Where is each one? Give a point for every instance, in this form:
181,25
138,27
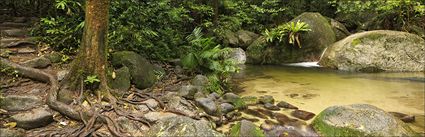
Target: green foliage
9,71
390,14
92,79
206,56
154,28
63,29
292,30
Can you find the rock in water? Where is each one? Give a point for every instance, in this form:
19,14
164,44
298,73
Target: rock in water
301,114
181,126
143,73
359,120
271,107
35,118
245,128
266,99
374,51
284,104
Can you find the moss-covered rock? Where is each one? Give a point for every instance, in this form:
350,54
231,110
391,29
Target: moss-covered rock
245,128
143,74
121,81
359,120
313,42
374,51
259,52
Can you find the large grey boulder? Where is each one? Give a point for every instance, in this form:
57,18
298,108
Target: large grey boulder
143,74
313,42
20,103
35,118
359,120
181,126
380,50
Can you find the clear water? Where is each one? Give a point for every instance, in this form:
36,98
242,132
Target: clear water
314,89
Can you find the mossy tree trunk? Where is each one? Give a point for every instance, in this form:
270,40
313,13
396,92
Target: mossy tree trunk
91,59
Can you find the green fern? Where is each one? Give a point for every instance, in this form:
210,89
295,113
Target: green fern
292,30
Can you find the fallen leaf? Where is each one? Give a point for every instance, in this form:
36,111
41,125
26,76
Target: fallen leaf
10,124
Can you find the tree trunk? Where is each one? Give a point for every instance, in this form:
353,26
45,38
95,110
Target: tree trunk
216,12
91,59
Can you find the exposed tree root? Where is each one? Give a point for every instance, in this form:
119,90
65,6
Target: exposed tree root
96,118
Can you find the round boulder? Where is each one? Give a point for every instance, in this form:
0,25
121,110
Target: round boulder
374,51
313,42
359,120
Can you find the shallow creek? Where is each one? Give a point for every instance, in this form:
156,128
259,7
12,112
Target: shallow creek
314,89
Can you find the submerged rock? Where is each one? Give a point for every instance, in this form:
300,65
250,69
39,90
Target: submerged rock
375,51
403,117
284,104
301,114
359,120
271,107
266,99
19,103
35,118
180,126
